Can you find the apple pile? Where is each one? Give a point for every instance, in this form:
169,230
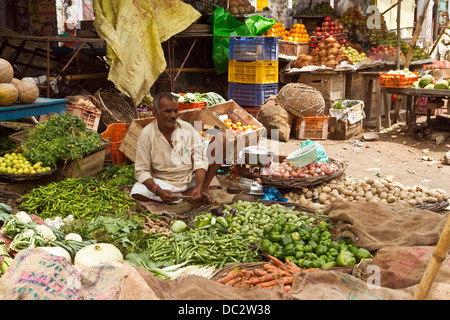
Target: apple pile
329,28
385,50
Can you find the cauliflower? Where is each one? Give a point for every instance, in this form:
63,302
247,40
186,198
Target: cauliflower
28,233
74,237
22,216
46,233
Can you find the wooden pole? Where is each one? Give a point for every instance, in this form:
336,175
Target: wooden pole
439,37
416,33
439,255
399,7
391,7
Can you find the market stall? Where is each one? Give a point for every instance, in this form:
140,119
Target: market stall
289,226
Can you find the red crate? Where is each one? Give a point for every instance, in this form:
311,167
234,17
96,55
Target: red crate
115,133
91,117
188,106
397,80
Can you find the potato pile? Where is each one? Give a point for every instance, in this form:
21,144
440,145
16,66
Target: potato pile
328,53
370,190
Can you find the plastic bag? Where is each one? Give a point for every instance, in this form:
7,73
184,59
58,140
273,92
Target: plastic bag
226,25
272,194
321,154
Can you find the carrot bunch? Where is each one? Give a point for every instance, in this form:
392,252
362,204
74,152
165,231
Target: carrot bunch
271,274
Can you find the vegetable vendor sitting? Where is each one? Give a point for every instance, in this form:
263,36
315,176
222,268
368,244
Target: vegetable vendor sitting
172,159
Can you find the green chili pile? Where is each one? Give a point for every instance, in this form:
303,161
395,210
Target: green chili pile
81,197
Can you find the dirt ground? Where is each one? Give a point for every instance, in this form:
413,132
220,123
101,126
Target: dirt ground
396,153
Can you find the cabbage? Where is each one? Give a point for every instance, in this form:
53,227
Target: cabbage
179,226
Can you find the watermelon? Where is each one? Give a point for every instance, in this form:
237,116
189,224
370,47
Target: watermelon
441,84
426,80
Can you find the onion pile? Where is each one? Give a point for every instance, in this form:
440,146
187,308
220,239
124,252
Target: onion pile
369,190
286,169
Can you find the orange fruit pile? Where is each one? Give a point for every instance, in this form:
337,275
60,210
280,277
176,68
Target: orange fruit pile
298,33
239,127
277,30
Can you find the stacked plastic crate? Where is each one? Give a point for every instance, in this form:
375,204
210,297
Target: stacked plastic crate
252,71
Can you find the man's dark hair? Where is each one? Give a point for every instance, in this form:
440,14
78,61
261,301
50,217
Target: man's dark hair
160,95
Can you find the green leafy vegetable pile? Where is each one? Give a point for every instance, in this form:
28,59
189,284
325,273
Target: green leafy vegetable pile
63,137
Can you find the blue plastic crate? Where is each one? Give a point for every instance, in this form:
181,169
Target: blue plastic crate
253,48
251,95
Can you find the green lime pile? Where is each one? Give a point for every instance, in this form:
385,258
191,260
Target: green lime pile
16,163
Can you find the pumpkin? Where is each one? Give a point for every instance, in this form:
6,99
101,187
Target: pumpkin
28,91
6,71
15,81
8,94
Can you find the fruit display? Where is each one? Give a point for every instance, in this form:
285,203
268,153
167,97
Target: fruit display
398,78
298,33
429,82
237,6
384,52
357,24
328,53
323,8
353,55
239,127
329,28
16,163
277,30
417,54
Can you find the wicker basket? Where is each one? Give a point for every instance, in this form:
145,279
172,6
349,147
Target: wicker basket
301,100
436,207
12,177
295,183
114,107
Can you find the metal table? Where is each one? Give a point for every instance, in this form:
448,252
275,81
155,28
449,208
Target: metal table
39,107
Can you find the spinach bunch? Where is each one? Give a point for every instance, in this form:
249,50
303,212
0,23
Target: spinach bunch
62,137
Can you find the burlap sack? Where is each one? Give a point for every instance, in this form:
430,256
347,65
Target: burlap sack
402,267
37,275
276,119
376,225
301,100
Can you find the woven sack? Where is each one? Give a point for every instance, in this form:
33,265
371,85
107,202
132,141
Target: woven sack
301,100
274,117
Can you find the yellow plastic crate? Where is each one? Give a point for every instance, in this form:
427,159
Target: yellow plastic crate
260,4
252,72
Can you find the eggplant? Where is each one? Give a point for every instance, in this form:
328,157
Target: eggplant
233,211
217,212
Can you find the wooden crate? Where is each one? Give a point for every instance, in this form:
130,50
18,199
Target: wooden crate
343,130
231,109
129,142
330,84
86,167
293,49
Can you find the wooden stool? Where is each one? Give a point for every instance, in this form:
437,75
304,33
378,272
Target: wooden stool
371,79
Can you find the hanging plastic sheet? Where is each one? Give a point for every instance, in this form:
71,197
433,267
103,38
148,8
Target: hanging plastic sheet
226,25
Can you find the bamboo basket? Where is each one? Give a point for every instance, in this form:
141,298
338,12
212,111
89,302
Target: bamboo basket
114,107
13,177
295,183
436,207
